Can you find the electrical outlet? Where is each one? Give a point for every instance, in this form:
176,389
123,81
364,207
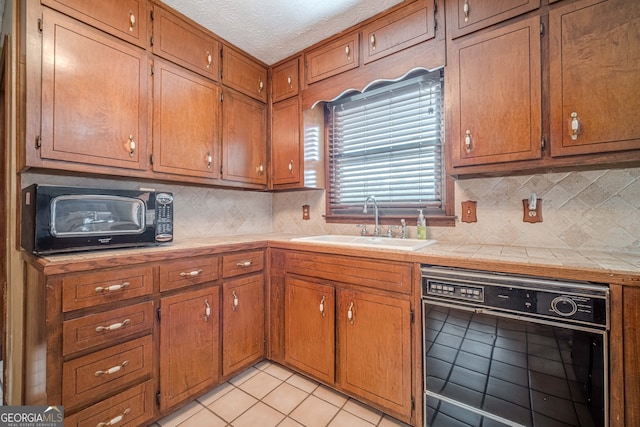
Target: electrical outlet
305,212
532,215
469,211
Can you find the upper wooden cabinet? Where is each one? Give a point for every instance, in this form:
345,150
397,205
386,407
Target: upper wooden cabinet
244,74
595,77
333,58
186,122
286,166
181,42
284,80
467,16
493,91
125,19
399,30
94,96
244,139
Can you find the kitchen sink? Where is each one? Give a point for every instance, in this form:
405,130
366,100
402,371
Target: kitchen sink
367,242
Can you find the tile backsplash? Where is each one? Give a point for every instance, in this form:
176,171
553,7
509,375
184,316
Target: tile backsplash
597,210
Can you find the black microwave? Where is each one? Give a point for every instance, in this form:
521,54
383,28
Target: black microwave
65,219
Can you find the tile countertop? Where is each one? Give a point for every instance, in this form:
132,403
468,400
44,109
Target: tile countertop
608,267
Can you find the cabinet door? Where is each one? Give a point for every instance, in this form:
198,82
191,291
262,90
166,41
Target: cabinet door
244,136
494,91
244,74
466,16
126,19
334,58
595,78
94,96
375,349
309,321
185,122
182,43
189,344
285,142
284,80
242,323
399,30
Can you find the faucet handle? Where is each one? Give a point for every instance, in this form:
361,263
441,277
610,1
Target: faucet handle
403,223
390,230
363,232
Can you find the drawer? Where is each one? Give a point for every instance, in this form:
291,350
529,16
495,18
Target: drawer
334,58
101,287
242,263
94,375
133,407
106,328
384,275
181,273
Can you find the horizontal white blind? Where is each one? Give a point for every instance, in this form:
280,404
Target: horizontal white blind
388,143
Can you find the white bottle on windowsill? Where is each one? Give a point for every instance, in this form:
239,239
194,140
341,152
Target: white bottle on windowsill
422,226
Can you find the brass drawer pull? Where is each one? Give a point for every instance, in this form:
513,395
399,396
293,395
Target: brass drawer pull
244,264
112,370
112,288
191,273
115,420
113,326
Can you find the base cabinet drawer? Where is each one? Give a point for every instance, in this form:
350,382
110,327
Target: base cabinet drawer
133,407
96,374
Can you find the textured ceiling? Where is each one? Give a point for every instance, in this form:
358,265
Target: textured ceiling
272,30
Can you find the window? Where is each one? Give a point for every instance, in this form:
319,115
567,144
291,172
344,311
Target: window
387,142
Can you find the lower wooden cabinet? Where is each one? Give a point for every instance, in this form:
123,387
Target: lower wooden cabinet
242,323
189,344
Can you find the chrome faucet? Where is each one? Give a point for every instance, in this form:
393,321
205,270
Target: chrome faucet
376,230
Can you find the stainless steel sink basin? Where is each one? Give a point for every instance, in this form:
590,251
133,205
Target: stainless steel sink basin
367,242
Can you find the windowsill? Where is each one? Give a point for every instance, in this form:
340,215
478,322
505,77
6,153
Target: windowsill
432,221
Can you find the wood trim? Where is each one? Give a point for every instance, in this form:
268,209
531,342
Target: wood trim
616,358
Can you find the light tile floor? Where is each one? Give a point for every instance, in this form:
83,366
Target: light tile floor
269,395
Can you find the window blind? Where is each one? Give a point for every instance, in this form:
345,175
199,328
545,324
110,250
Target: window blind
387,143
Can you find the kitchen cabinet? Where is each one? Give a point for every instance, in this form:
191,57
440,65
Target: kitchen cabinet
242,323
375,348
127,20
244,139
333,58
398,30
185,44
186,122
94,96
500,68
243,73
189,344
285,80
467,16
594,80
286,159
309,328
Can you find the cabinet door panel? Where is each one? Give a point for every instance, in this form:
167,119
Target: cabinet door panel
466,16
242,323
334,58
309,328
244,74
594,74
285,142
495,96
189,344
285,82
375,349
185,122
244,137
94,96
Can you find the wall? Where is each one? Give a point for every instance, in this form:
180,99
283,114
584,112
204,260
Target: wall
581,210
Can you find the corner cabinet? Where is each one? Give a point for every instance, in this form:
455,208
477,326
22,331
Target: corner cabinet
494,90
286,153
594,78
94,96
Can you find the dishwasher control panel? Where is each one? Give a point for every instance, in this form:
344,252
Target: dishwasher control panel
454,290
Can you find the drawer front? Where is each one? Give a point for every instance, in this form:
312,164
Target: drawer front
133,407
106,328
180,42
242,263
384,275
334,58
101,287
179,274
96,374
